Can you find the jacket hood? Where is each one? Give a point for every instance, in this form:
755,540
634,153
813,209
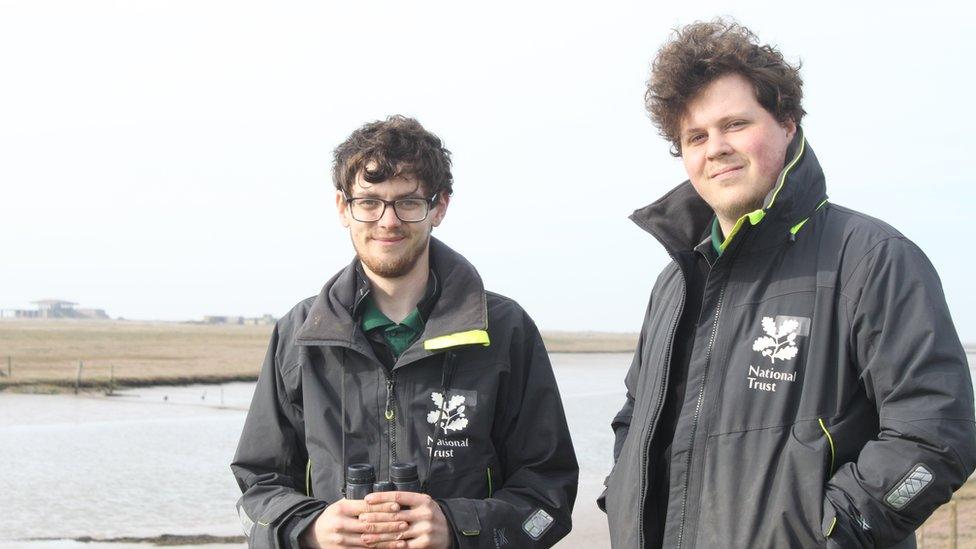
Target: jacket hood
680,218
459,317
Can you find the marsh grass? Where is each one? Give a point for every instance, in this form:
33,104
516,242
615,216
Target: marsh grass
45,353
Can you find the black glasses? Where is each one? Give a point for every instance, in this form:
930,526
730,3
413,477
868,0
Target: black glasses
408,210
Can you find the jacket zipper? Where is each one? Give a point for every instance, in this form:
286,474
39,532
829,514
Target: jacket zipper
698,407
657,412
390,407
390,413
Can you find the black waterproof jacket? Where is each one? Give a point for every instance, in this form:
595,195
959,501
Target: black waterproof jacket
828,399
504,469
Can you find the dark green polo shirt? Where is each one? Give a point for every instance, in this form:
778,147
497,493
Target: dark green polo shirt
397,336
717,238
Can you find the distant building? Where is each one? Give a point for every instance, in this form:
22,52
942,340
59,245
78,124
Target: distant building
19,313
97,314
260,320
213,319
54,308
238,320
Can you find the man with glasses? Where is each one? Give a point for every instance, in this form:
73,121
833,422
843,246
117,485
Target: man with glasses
404,357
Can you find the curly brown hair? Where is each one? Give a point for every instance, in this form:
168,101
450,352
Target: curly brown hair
701,52
397,146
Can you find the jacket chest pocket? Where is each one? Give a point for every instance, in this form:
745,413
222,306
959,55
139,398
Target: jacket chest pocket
456,424
761,361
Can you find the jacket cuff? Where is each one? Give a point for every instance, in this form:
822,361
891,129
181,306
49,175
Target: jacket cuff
293,529
271,529
840,529
462,517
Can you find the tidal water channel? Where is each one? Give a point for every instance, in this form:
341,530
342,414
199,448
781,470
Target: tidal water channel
155,460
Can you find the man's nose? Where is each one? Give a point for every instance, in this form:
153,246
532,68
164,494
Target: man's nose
718,146
389,217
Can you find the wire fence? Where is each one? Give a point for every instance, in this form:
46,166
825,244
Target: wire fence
105,375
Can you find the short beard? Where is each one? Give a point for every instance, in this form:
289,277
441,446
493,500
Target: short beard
736,211
396,267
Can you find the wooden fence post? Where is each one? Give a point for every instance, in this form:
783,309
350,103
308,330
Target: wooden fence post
81,365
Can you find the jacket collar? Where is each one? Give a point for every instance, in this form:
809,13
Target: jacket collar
680,217
459,316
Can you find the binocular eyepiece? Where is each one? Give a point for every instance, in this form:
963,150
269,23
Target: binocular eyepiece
361,480
404,477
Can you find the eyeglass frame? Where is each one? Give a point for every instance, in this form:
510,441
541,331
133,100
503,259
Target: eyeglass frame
429,201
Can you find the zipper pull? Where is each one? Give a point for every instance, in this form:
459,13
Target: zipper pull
389,400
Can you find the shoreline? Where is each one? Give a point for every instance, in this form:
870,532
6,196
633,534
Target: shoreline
167,540
67,386
56,356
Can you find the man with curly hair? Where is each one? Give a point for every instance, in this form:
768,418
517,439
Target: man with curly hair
405,363
798,380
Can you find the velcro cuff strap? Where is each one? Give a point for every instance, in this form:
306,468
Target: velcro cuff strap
283,507
829,522
464,516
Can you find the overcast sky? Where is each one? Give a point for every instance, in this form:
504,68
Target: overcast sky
169,160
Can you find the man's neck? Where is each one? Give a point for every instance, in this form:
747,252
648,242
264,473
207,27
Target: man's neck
726,225
397,297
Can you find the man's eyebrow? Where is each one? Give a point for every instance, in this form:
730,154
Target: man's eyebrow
374,194
365,194
688,132
736,115
724,120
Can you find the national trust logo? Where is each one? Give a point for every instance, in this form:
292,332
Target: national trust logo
449,415
779,343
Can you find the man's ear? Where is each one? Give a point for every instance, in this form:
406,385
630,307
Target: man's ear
790,127
343,208
440,209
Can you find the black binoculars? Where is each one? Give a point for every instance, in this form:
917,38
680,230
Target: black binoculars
361,480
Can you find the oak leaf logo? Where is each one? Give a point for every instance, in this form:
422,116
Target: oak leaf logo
449,415
779,343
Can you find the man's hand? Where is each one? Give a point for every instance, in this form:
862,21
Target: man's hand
339,525
427,526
